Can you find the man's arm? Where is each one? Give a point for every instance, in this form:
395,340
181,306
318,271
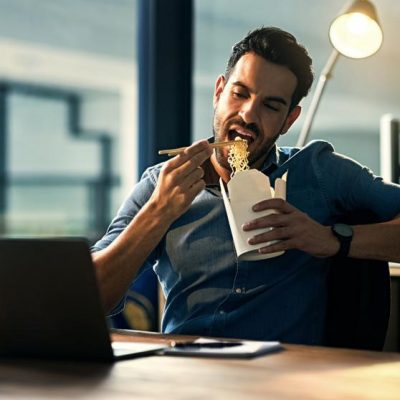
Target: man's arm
377,241
296,230
179,183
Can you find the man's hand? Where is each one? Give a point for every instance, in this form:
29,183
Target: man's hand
180,181
294,230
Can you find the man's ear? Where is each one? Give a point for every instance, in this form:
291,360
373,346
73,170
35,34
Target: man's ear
293,115
219,87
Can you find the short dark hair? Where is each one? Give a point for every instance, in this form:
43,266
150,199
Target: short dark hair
280,47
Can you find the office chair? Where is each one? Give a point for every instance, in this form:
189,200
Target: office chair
358,304
141,306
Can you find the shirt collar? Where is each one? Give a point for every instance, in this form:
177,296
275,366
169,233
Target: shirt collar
272,161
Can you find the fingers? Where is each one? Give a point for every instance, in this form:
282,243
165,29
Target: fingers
181,180
276,204
285,222
192,157
193,178
195,189
293,230
271,220
314,241
184,170
277,247
285,226
282,233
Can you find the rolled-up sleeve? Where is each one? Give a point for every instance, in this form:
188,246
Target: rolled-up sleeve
351,186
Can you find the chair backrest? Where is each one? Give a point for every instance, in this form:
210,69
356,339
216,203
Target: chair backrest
358,304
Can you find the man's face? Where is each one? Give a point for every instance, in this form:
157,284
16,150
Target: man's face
253,104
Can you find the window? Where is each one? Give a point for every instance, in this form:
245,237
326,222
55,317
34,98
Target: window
68,115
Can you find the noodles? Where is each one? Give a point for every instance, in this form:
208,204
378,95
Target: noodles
237,156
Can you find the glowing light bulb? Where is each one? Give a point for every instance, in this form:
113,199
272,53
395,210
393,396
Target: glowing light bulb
356,35
358,23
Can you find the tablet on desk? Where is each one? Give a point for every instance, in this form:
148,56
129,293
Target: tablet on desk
204,347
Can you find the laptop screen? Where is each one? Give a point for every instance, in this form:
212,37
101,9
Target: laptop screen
49,301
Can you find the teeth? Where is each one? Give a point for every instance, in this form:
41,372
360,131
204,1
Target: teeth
242,136
244,133
240,132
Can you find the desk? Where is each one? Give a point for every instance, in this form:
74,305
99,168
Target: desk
298,372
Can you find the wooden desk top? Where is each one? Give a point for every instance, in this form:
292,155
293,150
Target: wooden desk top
298,372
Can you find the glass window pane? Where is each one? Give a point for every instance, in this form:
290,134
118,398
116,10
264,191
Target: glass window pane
69,76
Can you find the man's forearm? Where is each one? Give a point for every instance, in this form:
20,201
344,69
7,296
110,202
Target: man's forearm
179,182
117,265
377,241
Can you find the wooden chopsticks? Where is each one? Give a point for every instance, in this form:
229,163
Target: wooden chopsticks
174,152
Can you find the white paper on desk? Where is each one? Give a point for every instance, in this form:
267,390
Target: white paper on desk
246,349
247,188
136,348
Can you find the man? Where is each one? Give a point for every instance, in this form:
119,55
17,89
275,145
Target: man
175,222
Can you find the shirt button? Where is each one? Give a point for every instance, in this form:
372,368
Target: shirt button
238,290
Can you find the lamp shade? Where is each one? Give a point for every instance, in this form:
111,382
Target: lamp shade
356,33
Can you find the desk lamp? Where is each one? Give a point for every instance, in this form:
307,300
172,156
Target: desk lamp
355,33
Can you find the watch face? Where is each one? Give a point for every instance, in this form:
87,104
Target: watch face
343,230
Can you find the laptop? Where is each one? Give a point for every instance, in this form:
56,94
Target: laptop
50,304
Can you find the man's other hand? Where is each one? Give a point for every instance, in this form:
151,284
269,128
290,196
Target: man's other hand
294,230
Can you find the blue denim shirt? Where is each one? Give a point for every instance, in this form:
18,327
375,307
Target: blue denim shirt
209,292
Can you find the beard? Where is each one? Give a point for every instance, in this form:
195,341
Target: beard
258,148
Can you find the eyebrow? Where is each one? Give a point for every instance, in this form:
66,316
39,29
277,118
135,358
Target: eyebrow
276,99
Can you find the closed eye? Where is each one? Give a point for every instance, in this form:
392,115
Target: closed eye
238,95
275,103
271,107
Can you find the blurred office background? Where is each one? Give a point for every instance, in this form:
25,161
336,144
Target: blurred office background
71,98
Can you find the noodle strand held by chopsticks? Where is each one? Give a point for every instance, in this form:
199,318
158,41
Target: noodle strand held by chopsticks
238,156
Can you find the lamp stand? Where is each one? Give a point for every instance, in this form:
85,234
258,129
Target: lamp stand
326,74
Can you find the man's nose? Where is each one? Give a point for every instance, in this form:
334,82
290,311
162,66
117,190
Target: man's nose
248,112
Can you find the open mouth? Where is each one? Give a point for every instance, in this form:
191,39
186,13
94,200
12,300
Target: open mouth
233,133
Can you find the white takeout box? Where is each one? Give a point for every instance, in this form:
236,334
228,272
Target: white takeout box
245,189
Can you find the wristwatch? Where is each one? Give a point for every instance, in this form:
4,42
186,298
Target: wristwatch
345,234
